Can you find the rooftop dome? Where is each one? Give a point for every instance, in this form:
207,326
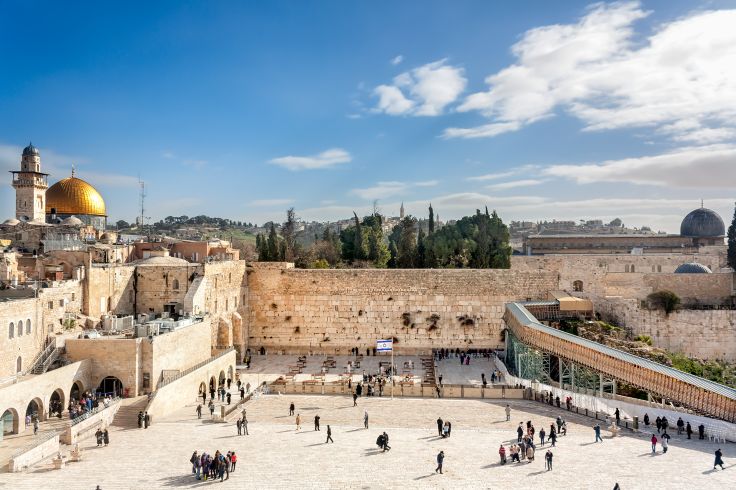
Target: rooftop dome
692,268
72,221
30,150
74,196
11,222
702,222
162,261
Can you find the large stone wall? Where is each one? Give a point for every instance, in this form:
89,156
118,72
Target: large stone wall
109,288
332,311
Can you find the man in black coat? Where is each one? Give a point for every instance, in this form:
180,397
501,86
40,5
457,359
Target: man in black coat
440,423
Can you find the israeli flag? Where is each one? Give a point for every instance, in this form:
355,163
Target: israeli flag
384,345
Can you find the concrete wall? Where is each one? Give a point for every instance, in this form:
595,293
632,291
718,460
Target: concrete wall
333,310
159,285
109,288
44,450
121,358
184,390
178,350
87,427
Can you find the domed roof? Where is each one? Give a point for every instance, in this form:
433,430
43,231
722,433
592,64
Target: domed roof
702,222
72,221
30,150
159,260
692,268
74,196
11,222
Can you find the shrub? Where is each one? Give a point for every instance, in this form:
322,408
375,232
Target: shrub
644,338
665,300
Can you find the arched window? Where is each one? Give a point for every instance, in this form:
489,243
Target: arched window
577,286
28,326
11,330
20,328
176,284
18,365
632,267
626,269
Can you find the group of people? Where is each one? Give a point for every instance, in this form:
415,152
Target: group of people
444,428
663,424
86,403
206,466
144,420
103,437
440,354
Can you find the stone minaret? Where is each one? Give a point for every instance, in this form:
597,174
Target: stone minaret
30,186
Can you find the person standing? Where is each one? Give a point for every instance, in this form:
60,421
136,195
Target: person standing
244,423
365,419
105,437
194,459
329,435
146,420
597,430
291,408
646,419
658,423
239,423
233,460
355,397
548,460
680,426
35,426
689,430
242,392
541,436
98,437
553,436
204,396
719,459
508,412
701,432
618,416
298,422
654,443
316,422
228,397
440,460
212,408
199,411
140,420
519,433
440,424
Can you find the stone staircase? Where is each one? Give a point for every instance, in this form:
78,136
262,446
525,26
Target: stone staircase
127,416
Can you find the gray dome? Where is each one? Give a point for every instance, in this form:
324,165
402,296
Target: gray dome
692,268
702,222
30,150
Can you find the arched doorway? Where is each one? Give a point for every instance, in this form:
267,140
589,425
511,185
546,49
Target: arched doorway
9,422
221,379
577,286
56,403
76,392
230,372
35,410
213,384
111,385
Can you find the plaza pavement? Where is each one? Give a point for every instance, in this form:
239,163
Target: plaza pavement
276,456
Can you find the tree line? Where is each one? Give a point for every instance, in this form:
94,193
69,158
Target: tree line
477,241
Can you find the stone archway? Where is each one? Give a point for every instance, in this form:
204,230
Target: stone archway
110,385
577,286
57,403
230,373
221,379
10,422
35,409
213,384
76,391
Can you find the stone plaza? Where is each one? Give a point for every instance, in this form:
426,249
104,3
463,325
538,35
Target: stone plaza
276,455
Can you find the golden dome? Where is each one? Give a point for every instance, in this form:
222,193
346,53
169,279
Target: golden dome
74,196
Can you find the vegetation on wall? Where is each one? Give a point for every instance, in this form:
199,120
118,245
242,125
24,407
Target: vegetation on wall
664,300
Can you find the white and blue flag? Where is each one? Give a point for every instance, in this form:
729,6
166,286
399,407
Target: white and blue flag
384,345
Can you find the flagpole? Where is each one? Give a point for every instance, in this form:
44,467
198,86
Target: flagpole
392,369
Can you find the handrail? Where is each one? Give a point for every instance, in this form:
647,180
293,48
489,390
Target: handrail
193,368
97,409
41,357
36,442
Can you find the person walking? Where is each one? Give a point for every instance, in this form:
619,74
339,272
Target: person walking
689,430
719,459
239,423
140,420
291,408
204,396
658,423
618,416
553,436
233,460
211,406
680,426
228,397
665,442
440,424
329,435
194,460
98,437
244,423
519,432
199,411
508,412
35,426
548,460
665,424
654,443
440,460
105,437
316,422
541,436
355,397
298,421
242,392
365,419
597,430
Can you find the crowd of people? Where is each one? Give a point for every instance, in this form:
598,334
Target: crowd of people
210,467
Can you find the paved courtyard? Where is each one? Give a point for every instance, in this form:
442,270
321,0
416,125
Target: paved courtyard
277,456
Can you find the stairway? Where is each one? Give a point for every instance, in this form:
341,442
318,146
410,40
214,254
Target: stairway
42,365
127,415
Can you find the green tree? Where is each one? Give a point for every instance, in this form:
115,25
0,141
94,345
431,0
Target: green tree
288,232
407,243
273,245
421,261
665,300
431,219
360,248
731,255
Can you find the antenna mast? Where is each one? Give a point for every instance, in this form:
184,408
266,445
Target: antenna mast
143,200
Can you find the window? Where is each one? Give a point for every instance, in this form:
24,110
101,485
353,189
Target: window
51,305
28,326
227,304
175,284
20,328
659,268
215,305
18,365
74,296
61,302
626,269
577,286
230,277
632,268
11,330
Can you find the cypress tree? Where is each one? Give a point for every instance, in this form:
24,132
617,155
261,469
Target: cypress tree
273,244
431,219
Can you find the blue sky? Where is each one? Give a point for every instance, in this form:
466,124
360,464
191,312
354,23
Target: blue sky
241,109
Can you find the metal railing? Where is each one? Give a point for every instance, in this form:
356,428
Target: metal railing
171,379
96,410
41,357
36,442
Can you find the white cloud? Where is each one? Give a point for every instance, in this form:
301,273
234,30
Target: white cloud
513,184
427,183
423,91
381,190
598,71
494,176
396,60
270,202
326,159
700,167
